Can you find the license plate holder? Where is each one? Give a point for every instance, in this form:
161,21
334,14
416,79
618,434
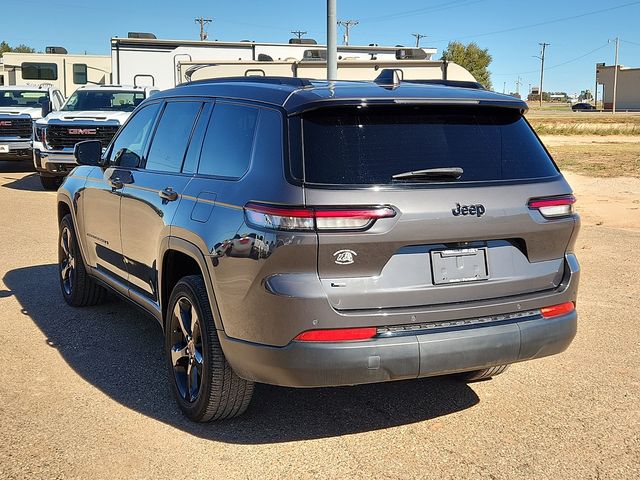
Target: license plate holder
4,148
459,265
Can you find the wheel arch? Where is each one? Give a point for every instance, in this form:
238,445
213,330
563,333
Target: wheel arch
66,207
179,258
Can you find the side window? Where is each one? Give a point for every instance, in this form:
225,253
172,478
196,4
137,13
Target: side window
227,147
195,145
79,73
172,136
128,145
39,71
60,99
269,141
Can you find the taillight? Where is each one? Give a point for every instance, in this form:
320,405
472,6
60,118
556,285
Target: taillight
556,310
553,207
314,219
337,335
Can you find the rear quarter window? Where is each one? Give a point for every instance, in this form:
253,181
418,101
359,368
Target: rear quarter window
368,145
228,143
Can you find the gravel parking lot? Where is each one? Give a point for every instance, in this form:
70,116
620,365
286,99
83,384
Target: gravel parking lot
84,393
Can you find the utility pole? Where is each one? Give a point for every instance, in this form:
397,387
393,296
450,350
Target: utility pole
203,21
543,47
615,77
332,47
504,88
418,37
298,33
518,83
347,24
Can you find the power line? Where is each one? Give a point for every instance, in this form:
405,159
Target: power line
203,21
347,24
548,22
298,33
418,37
421,11
630,43
553,66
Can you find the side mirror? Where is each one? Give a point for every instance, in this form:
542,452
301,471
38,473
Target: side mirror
47,108
88,152
126,158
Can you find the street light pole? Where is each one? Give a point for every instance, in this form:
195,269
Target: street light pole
332,46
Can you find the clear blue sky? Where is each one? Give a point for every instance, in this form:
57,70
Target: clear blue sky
511,30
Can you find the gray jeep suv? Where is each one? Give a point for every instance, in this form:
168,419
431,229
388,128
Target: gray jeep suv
308,234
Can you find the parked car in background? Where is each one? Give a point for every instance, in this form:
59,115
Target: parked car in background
582,107
91,112
20,107
312,234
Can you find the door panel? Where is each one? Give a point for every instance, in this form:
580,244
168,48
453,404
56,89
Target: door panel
150,198
101,214
146,218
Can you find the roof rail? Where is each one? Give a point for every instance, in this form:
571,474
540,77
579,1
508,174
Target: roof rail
449,83
394,77
273,80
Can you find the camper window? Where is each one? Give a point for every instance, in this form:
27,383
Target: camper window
39,71
79,73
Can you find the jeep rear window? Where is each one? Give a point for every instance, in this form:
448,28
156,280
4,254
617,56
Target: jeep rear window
368,145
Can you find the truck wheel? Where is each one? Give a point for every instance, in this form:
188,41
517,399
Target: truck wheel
50,183
203,383
484,374
78,288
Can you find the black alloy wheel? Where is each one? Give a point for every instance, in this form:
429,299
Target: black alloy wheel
187,355
67,260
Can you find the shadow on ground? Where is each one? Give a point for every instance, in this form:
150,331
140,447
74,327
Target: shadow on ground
30,183
119,350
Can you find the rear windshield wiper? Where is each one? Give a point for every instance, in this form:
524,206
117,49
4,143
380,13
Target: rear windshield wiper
451,173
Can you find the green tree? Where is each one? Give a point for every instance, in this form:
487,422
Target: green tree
471,57
5,47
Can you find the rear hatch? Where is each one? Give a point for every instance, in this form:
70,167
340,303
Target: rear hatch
464,227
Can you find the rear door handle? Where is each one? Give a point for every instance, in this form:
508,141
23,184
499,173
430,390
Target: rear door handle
168,194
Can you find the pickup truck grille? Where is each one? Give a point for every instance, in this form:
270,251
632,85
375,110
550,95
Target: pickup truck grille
66,136
15,127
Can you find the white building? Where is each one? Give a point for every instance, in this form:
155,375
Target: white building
628,87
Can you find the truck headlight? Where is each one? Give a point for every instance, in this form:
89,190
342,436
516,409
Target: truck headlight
40,133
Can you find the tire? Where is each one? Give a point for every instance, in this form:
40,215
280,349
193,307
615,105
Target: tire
205,386
50,183
78,288
484,374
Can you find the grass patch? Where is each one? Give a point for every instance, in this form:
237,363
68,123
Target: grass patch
580,123
584,128
599,160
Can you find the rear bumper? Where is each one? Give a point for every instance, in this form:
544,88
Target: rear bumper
438,352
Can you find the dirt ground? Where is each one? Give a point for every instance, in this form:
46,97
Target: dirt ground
84,393
595,155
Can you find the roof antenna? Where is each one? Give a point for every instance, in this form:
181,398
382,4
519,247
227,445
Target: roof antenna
389,76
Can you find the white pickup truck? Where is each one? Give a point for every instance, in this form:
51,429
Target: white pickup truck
20,107
93,112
